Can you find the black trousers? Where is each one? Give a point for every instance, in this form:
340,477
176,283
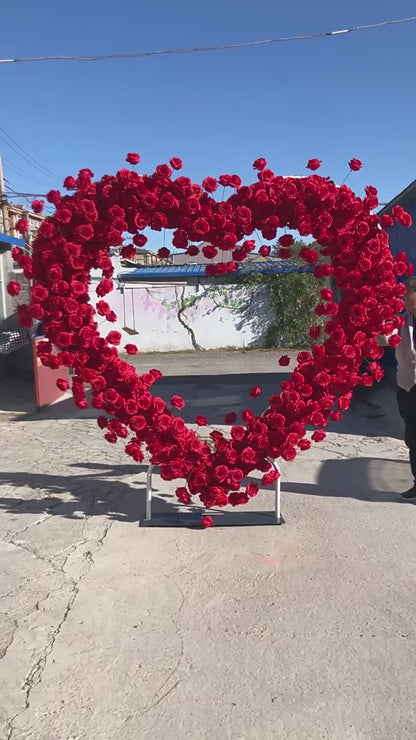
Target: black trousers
407,408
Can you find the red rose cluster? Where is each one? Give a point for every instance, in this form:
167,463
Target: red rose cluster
77,239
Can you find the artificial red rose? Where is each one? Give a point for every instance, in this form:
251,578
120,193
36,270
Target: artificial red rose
304,444
177,402
355,165
270,478
183,495
163,253
176,163
207,521
394,340
62,384
314,164
140,240
13,287
114,337
284,253
264,250
318,435
224,180
210,184
286,240
202,421
22,225
128,251
252,490
230,418
37,206
259,164
284,360
70,183
314,332
201,226
131,349
309,255
209,251
255,391
133,158
106,286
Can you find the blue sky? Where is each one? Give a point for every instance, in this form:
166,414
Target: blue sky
331,98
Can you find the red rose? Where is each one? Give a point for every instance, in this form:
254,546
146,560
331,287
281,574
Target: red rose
22,225
230,418
114,337
264,250
201,226
309,255
62,384
209,251
106,286
318,436
70,183
13,288
140,240
37,206
255,391
394,340
207,521
259,164
355,165
284,360
177,402
163,253
252,490
201,421
176,163
314,332
314,164
133,158
131,349
210,184
286,240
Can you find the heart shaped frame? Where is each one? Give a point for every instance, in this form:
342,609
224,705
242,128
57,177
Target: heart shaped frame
353,250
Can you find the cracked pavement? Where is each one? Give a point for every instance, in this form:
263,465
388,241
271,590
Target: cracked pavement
244,631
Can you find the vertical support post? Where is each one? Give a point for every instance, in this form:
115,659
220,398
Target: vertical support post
149,476
277,492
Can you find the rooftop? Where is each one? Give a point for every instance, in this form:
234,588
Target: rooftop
167,272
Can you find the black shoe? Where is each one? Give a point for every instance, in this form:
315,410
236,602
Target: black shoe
411,493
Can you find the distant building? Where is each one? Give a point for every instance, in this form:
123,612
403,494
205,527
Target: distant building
145,258
9,216
403,239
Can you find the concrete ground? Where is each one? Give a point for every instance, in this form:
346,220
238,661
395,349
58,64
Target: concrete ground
249,631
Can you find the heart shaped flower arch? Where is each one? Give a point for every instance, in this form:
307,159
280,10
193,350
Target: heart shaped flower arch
77,239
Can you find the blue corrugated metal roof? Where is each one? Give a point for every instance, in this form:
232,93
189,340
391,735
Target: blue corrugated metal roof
269,267
13,240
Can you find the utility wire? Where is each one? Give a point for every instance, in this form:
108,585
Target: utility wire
219,47
17,170
25,155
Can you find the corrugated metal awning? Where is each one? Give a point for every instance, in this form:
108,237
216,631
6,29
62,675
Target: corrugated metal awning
11,240
169,272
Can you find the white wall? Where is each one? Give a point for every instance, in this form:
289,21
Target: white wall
214,316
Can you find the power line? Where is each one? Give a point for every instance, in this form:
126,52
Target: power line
17,170
219,47
26,156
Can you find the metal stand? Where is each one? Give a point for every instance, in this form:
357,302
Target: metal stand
277,512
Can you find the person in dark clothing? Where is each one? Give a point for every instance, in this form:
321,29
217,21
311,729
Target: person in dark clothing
406,378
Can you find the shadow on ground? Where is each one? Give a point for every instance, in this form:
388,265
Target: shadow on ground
373,412
94,494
